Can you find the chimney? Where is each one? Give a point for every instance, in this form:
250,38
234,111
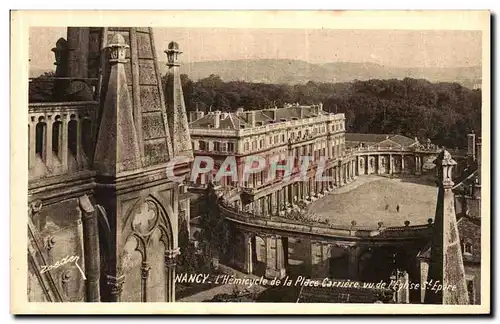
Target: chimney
195,115
251,118
471,147
192,116
217,119
272,113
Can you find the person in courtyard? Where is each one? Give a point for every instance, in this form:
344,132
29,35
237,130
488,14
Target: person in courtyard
397,208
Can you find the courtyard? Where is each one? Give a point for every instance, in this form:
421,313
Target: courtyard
373,199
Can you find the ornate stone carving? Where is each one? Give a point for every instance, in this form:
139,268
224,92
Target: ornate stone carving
51,241
35,207
145,268
171,257
146,219
117,49
116,284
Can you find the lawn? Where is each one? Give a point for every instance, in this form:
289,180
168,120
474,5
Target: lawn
376,201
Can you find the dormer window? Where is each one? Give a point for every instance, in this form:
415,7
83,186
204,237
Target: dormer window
467,248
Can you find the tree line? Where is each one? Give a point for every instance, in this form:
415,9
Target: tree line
442,112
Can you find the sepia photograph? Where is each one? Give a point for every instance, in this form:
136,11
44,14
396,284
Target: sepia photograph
272,167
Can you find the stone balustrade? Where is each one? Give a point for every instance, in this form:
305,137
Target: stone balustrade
61,137
323,230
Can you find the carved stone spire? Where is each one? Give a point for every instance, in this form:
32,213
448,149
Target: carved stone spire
176,108
446,265
117,148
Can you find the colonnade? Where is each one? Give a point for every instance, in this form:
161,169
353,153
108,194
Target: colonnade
390,163
291,193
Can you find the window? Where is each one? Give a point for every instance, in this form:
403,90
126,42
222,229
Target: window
254,145
203,146
282,137
216,146
261,143
57,136
467,248
41,128
72,135
230,147
223,147
276,139
247,146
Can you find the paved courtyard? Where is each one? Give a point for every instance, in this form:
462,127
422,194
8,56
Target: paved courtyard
371,199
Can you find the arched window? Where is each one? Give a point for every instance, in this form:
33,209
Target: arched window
41,128
72,135
57,135
87,136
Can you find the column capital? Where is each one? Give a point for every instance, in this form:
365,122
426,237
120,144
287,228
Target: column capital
170,257
145,267
35,206
116,283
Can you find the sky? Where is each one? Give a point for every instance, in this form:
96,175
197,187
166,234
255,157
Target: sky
395,48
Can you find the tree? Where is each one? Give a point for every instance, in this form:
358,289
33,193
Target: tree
40,88
188,260
213,234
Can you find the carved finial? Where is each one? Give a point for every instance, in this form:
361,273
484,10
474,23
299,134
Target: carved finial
173,53
60,50
117,49
447,164
35,206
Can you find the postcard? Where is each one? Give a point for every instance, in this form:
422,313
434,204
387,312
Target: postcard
250,162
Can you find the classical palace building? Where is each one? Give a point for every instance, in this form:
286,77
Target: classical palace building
98,191
277,135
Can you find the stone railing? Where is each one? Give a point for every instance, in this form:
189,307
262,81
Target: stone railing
287,225
376,148
61,137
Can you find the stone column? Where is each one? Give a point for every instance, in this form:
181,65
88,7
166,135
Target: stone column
170,263
274,257
354,252
115,284
91,249
144,281
379,163
403,164
32,142
64,144
48,143
79,145
418,166
248,263
320,257
391,164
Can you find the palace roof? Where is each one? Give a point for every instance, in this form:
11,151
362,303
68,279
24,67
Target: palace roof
355,139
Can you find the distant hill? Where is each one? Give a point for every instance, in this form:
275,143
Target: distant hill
298,72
